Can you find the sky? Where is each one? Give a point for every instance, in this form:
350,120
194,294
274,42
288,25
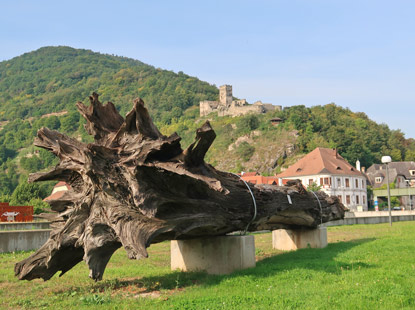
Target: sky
357,54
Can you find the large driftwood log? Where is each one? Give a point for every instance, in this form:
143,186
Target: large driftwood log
134,187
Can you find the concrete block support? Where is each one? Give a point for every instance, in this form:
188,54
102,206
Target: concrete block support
215,255
287,240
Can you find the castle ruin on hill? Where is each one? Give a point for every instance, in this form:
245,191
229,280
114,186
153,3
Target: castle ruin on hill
227,106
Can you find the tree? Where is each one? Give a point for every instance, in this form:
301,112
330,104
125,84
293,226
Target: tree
314,187
6,153
39,206
53,122
47,158
396,155
70,122
31,164
25,192
410,155
6,187
247,123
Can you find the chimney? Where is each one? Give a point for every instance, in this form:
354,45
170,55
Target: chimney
357,165
364,169
335,152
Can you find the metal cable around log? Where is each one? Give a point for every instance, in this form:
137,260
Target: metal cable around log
321,209
253,200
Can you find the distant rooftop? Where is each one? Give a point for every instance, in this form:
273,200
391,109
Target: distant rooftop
320,161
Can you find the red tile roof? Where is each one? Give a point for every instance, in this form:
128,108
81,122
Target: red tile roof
58,194
320,161
55,196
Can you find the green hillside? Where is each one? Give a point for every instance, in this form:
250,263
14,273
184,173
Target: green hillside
251,143
52,79
41,88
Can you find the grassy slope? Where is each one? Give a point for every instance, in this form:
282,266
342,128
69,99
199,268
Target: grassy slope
364,267
268,142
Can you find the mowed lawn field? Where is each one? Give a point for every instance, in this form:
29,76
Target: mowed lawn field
363,267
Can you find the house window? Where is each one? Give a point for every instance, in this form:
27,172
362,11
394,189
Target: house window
364,199
340,198
348,199
357,199
357,183
412,172
347,183
339,182
378,180
325,181
310,182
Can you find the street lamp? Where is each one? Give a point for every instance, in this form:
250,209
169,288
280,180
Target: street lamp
386,160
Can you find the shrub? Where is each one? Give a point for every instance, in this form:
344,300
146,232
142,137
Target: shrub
245,151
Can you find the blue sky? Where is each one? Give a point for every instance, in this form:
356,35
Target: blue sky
358,54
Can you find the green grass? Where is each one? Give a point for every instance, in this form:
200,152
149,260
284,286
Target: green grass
363,267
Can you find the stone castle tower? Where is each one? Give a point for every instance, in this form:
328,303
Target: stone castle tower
225,95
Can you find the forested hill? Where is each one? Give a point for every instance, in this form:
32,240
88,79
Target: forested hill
53,79
40,89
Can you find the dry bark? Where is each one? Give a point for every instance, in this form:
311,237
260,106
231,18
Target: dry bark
134,187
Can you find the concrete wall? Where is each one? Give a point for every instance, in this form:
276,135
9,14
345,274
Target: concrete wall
22,240
369,220
24,225
378,213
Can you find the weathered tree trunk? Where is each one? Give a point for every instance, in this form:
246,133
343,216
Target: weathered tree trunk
134,187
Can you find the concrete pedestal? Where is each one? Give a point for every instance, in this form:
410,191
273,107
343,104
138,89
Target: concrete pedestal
215,255
287,240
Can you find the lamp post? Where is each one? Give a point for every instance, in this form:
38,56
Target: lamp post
386,160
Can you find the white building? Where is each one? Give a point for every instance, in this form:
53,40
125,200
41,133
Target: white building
325,167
